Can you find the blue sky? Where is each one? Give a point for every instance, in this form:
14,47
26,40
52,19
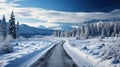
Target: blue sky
55,12
74,5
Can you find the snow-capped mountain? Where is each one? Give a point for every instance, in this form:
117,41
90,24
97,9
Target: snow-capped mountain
59,27
42,27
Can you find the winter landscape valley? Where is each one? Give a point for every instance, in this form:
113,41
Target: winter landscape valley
59,33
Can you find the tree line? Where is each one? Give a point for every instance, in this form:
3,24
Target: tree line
89,30
10,28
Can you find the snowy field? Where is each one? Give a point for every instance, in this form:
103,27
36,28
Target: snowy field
26,51
95,52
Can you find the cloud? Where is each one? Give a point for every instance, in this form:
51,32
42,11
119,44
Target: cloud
59,16
51,17
3,1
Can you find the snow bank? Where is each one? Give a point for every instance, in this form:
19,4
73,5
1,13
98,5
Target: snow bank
77,56
101,52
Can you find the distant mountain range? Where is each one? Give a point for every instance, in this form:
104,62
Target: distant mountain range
60,27
26,30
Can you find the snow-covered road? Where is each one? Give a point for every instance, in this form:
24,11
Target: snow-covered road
57,57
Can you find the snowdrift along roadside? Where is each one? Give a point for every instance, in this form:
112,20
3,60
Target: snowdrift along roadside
26,52
78,57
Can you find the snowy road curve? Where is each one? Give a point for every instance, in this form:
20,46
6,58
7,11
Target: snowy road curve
56,57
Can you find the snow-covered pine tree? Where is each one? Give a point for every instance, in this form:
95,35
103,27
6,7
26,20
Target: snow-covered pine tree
62,34
12,26
86,34
67,33
115,29
59,33
108,30
55,34
17,30
78,32
74,31
3,27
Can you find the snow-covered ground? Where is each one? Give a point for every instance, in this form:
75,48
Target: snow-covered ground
26,52
95,52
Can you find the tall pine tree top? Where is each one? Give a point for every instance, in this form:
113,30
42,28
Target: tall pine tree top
12,26
3,19
12,16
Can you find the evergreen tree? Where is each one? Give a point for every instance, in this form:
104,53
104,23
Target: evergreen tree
78,32
12,26
67,33
3,27
17,30
87,31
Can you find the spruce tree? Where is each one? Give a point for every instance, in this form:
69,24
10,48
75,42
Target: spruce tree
3,27
12,26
